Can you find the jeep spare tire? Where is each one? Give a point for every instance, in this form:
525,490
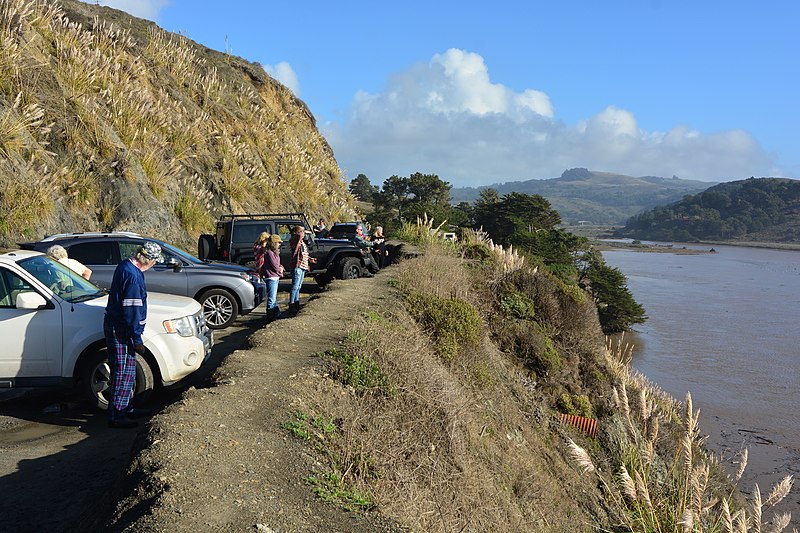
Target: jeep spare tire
206,247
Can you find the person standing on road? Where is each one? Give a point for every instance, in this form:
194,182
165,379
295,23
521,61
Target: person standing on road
59,253
259,249
299,266
379,251
272,272
123,325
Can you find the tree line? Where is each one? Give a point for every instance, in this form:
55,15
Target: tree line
728,211
525,221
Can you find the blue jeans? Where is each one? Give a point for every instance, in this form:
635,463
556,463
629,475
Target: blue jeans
297,281
272,294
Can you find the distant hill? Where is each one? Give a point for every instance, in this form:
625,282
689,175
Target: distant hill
108,122
755,209
595,197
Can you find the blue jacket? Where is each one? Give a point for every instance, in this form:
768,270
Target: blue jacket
126,310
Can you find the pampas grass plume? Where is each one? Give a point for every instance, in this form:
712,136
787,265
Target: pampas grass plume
581,456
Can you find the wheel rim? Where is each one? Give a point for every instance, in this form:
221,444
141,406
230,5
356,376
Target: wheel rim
218,310
101,381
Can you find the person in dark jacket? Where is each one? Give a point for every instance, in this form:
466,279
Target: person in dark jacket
123,325
379,251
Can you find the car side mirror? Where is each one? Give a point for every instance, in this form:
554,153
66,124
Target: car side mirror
30,300
175,264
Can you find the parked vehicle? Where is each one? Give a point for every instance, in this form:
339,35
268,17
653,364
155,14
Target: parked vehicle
346,230
51,326
235,234
224,290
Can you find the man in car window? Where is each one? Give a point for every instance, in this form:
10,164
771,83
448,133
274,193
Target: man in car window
126,315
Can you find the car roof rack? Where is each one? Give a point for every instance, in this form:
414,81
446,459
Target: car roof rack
264,216
58,236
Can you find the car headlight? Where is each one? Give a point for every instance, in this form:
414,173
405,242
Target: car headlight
251,276
182,326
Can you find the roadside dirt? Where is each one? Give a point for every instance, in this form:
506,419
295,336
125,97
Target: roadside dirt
217,449
218,458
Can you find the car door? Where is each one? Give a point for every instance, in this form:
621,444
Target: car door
168,275
31,338
102,257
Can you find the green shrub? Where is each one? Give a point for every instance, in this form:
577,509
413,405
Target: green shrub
355,371
517,305
575,404
451,324
548,357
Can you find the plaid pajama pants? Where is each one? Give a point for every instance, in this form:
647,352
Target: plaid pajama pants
122,361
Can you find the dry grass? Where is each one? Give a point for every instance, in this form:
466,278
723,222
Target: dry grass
688,491
170,112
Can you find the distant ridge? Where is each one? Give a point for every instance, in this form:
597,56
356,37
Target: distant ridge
593,197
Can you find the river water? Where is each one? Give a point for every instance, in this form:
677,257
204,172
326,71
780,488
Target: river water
724,326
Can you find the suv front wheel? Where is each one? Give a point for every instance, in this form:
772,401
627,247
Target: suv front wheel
96,378
219,307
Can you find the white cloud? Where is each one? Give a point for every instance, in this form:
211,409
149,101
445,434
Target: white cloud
447,117
146,9
284,73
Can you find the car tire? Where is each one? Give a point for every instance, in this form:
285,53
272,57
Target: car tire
219,307
206,247
349,268
96,379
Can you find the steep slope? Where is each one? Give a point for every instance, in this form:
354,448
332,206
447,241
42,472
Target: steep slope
597,197
108,122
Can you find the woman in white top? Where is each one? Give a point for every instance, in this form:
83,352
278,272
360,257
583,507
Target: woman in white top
59,253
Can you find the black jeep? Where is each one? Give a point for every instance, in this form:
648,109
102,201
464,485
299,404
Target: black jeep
235,235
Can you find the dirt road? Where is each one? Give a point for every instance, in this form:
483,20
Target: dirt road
57,455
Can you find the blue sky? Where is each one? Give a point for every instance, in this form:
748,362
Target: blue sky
481,93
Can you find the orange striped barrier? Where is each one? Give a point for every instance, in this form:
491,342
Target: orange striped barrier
587,425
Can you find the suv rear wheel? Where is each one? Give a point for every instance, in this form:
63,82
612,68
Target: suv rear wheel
219,307
96,378
349,268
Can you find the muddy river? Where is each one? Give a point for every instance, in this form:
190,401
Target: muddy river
725,327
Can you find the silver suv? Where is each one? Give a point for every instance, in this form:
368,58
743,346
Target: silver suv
224,290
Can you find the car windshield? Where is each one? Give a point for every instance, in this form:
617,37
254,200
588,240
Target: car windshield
62,280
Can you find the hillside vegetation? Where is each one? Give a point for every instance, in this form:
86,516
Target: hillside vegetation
599,198
108,122
435,406
756,209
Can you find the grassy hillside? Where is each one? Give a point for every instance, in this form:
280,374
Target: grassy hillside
763,209
108,122
595,197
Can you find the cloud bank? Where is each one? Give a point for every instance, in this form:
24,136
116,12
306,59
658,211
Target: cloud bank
447,117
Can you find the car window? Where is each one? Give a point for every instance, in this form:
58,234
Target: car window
94,253
11,285
248,232
62,280
285,231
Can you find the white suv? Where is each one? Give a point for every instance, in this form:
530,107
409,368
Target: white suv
51,326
